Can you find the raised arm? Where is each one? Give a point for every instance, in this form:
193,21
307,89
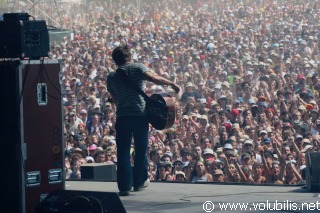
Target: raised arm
228,172
149,76
295,172
242,175
265,167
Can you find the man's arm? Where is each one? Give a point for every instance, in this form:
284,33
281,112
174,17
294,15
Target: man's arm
113,97
149,76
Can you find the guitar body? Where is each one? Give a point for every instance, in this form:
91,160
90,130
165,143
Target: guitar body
161,111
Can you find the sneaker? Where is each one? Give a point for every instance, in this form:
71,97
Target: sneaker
144,186
124,193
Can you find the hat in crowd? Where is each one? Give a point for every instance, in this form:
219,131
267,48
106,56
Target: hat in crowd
306,140
78,138
309,107
185,164
180,173
189,84
240,99
185,117
266,141
217,86
227,146
262,98
177,161
168,163
97,106
306,148
222,97
204,117
213,103
301,107
219,162
245,155
248,73
77,150
263,104
225,83
263,131
251,101
286,124
103,86
299,137
208,151
218,172
92,147
112,142
89,159
231,153
219,150
235,126
304,126
230,140
161,164
210,81
313,102
244,138
248,142
159,88
301,77
301,168
269,130
235,112
153,87
203,100
236,102
228,125
83,111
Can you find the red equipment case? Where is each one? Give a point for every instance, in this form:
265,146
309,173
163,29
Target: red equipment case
34,131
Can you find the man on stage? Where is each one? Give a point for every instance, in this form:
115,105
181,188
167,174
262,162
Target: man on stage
131,119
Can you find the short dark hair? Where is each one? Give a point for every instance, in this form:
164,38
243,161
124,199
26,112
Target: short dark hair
121,55
99,152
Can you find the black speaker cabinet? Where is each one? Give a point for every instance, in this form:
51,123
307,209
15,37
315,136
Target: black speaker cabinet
32,133
313,171
24,39
72,201
98,171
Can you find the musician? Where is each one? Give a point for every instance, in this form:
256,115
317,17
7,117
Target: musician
131,119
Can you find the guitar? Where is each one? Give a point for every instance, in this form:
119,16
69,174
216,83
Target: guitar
161,111
160,107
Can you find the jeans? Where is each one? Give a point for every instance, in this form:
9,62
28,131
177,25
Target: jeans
126,128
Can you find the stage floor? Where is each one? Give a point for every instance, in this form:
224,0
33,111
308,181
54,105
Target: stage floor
179,197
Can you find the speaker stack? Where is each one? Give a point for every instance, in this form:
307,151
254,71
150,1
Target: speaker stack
32,134
313,171
32,165
72,201
23,38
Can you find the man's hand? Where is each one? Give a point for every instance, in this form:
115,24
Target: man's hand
175,87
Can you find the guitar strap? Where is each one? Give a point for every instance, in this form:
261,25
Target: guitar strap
126,79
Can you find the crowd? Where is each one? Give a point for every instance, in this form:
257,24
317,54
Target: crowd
248,70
